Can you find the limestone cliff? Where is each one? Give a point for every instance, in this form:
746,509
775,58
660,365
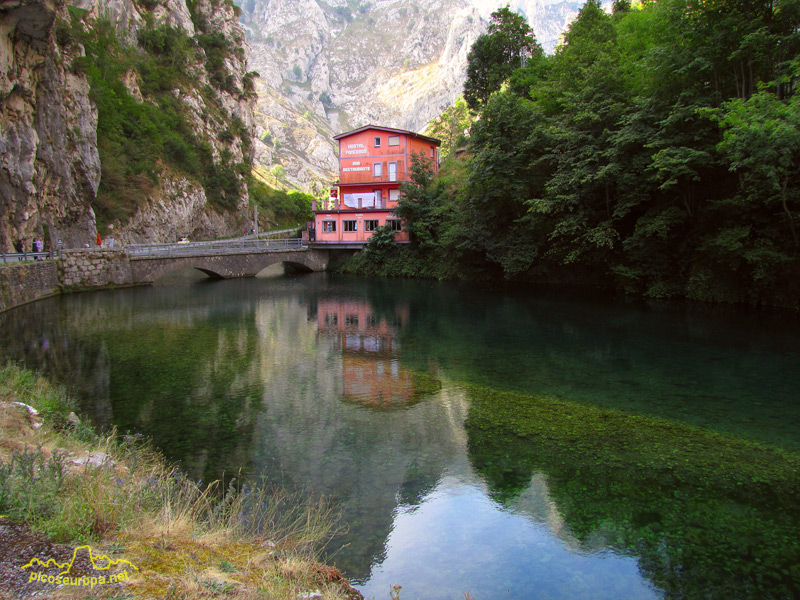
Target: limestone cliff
49,163
61,175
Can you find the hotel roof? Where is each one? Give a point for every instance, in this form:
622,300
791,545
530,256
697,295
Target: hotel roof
390,130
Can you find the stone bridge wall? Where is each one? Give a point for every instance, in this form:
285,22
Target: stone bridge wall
86,269
26,282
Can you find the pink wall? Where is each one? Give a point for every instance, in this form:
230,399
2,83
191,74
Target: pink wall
360,218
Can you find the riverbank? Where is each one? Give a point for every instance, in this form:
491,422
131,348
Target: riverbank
110,514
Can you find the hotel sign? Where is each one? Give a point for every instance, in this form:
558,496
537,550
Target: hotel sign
355,149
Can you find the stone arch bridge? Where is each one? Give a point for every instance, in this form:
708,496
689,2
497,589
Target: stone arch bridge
144,264
147,268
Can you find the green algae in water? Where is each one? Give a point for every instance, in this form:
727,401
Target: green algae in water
708,515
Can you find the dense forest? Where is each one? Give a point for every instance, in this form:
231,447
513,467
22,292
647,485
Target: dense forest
656,152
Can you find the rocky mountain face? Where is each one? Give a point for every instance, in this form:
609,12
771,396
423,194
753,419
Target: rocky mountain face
50,163
328,66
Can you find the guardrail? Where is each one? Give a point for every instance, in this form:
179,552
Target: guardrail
214,247
178,249
25,256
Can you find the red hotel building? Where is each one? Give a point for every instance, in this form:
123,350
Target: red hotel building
373,162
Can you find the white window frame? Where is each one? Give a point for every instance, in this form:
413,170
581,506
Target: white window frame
377,169
329,226
350,226
394,140
376,141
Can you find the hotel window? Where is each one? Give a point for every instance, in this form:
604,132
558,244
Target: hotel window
370,224
331,319
395,224
350,225
351,320
376,142
394,195
377,169
329,226
394,140
378,198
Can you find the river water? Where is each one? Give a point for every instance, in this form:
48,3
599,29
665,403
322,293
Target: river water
509,445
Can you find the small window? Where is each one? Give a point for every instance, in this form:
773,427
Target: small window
328,226
394,195
370,224
431,151
331,319
395,224
350,225
377,170
394,140
377,142
351,320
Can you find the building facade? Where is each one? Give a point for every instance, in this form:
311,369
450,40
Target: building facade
373,162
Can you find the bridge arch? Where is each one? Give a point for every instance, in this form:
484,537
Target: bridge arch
291,265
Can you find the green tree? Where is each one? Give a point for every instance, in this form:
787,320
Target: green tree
584,101
762,142
278,172
451,126
495,55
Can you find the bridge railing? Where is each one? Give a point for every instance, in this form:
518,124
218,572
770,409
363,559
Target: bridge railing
25,256
214,247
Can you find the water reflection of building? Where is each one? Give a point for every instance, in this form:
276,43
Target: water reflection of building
371,370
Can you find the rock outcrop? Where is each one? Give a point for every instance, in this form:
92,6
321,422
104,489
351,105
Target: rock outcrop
50,164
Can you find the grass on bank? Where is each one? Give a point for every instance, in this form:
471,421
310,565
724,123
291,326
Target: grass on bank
120,495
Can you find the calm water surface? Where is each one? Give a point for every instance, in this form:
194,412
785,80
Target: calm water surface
509,445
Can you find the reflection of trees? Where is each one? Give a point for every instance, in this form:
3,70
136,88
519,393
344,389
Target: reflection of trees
707,515
732,372
195,392
103,412
171,363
